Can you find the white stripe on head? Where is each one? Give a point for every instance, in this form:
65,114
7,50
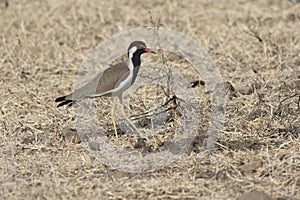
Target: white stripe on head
130,55
132,51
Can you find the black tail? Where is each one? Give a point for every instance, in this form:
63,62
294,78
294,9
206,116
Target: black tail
64,101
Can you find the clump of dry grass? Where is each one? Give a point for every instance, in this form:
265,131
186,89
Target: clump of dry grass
256,46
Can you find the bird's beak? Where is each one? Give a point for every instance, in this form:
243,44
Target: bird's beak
149,50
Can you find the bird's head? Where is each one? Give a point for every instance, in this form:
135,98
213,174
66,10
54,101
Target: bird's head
139,47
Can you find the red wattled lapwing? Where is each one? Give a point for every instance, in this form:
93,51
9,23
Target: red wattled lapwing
112,82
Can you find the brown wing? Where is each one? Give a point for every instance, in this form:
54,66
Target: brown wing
110,78
102,83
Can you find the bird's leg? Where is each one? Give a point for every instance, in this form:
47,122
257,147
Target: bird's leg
128,120
113,116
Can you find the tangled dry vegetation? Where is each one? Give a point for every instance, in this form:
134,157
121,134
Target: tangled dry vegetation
256,45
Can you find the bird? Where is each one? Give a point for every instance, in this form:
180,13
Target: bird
112,82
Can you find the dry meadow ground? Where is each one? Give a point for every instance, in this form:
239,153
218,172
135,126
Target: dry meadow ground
256,45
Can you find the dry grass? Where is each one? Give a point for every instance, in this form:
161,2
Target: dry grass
256,46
